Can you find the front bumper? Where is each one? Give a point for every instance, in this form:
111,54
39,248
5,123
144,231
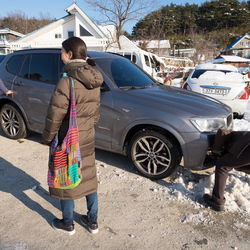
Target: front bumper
237,105
195,149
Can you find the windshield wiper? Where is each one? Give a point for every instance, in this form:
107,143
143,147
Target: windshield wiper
149,85
131,87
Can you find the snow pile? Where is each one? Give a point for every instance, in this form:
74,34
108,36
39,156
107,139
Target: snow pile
237,192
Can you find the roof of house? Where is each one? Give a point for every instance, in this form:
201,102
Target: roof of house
4,44
8,31
155,44
237,40
71,10
125,43
229,59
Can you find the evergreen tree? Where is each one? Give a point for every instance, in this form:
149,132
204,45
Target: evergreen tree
224,20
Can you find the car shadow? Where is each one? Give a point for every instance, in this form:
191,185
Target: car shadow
36,137
16,182
124,163
171,183
116,160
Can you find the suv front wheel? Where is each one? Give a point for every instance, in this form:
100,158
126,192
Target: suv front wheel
12,122
153,154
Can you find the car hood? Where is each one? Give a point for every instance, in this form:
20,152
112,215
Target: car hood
162,97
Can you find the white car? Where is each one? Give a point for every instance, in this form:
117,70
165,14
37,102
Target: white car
222,82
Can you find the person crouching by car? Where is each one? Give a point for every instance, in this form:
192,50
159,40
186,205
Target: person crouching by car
231,150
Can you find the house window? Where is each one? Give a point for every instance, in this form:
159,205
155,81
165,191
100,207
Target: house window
241,43
84,32
58,36
70,33
3,37
247,44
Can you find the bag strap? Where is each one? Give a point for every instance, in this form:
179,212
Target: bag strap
72,120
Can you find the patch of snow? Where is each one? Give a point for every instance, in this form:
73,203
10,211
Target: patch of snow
200,217
221,76
237,191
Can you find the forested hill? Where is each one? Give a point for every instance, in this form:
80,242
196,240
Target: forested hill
219,22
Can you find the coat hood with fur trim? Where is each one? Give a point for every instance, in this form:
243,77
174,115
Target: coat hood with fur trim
80,70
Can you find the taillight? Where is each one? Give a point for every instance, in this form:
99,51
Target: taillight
185,85
244,94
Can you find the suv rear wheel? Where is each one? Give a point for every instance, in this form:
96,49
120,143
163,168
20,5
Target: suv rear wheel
153,154
12,122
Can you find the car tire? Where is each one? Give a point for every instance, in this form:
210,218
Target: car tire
237,116
153,154
12,122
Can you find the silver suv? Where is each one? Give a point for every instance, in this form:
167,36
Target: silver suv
154,124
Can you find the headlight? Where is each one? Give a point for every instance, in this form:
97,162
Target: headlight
208,124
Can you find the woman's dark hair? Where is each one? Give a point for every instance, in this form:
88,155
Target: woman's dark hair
78,48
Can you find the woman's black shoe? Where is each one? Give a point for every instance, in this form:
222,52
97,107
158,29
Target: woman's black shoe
61,226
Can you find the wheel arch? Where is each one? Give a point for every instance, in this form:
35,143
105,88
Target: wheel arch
4,101
168,132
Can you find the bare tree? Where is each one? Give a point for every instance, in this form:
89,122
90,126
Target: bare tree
119,12
19,21
202,42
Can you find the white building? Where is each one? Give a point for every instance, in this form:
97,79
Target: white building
236,61
159,47
6,37
75,23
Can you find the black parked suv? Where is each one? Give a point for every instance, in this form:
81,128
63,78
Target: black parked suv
154,124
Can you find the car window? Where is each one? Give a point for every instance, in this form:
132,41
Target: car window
44,67
147,60
14,64
123,73
25,69
61,65
152,62
199,72
128,57
133,59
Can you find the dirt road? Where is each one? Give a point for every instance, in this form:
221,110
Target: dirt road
134,212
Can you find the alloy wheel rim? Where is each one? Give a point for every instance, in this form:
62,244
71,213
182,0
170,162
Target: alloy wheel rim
10,122
151,155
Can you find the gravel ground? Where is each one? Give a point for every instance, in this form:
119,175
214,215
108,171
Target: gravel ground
134,212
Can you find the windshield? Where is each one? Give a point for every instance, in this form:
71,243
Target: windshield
124,73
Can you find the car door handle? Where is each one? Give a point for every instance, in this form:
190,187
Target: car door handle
19,83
